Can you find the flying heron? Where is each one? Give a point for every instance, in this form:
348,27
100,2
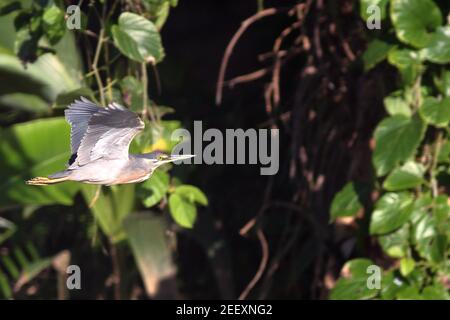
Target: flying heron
99,140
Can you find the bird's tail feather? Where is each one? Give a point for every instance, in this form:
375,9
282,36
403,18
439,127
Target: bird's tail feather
52,179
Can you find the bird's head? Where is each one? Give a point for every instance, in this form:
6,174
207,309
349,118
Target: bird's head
158,158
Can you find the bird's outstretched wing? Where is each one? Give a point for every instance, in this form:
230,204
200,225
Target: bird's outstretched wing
78,115
101,132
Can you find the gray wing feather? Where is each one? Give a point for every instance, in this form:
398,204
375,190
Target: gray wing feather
78,115
109,133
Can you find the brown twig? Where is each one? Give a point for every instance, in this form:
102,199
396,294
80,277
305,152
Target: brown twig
244,25
116,271
277,64
248,77
246,228
262,265
348,50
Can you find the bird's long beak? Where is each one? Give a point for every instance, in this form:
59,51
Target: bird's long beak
177,159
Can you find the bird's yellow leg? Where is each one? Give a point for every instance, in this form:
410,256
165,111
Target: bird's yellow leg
43,181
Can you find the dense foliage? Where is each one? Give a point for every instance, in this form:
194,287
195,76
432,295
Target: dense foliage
363,116
410,220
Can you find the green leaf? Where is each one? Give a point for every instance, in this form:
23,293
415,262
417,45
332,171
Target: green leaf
10,229
365,4
395,104
26,45
376,52
407,61
47,77
444,155
396,244
66,98
59,261
403,58
137,38
407,265
392,210
438,248
158,185
126,44
413,19
436,112
35,148
25,102
183,212
409,293
354,287
396,139
435,292
31,271
391,284
430,243
4,286
182,204
192,194
54,24
110,209
438,48
348,201
10,7
441,211
410,175
146,234
442,83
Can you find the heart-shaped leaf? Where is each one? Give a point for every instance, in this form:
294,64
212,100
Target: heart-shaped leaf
410,175
396,139
137,38
413,19
438,48
436,112
391,211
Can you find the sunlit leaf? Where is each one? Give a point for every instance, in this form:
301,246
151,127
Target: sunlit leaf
413,19
396,104
409,175
154,189
355,286
391,211
436,112
396,139
137,38
396,244
183,212
438,48
148,240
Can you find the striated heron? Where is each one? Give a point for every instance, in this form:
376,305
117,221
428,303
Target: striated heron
99,140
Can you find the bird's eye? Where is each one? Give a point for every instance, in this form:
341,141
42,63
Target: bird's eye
161,157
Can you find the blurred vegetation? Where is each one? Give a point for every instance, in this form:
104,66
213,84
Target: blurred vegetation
364,154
